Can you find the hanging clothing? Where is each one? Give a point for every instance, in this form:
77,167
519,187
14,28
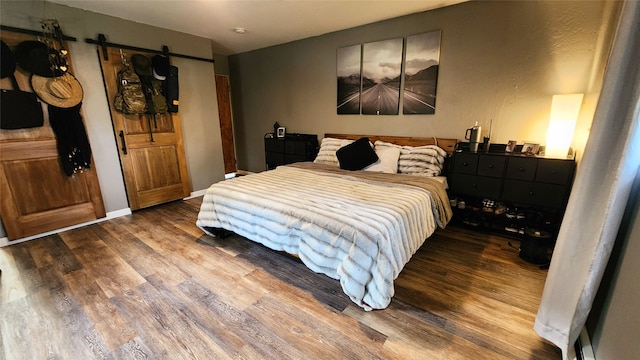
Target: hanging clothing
71,137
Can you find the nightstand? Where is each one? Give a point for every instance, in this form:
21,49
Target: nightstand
289,149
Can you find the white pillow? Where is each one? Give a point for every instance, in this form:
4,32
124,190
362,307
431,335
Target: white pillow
387,160
328,148
426,160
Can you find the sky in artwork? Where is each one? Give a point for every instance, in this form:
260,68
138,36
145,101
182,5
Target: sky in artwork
423,50
382,59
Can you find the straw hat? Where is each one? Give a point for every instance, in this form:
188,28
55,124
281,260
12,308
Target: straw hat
63,91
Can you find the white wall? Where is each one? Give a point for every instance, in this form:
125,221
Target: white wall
499,60
198,105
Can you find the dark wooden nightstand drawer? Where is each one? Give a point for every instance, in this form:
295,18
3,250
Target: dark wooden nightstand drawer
465,163
275,159
291,158
491,165
297,147
478,186
554,171
521,168
274,145
546,195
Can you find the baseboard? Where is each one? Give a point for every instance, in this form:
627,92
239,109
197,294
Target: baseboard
4,241
195,194
584,350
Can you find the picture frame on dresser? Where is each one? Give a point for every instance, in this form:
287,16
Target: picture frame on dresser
530,148
511,146
281,132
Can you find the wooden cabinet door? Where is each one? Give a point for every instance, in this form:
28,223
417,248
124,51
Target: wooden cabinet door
36,195
150,146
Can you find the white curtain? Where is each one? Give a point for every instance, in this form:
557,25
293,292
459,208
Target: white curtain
600,193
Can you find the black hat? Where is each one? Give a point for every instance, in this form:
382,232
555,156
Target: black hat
33,57
141,65
8,61
160,67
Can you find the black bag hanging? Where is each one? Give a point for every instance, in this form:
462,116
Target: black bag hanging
18,109
172,91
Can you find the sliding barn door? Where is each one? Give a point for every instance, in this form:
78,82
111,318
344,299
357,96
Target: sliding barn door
36,196
150,147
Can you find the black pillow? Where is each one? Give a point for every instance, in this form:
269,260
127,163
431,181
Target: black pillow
356,155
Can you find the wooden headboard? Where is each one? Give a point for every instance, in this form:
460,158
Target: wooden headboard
447,144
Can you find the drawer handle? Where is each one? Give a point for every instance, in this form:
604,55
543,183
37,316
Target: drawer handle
531,193
554,172
521,169
475,186
490,166
465,164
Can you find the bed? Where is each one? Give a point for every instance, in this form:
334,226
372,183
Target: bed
356,226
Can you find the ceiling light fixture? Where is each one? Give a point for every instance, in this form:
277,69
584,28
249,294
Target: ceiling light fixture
239,30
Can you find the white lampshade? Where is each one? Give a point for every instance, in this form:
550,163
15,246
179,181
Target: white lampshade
562,123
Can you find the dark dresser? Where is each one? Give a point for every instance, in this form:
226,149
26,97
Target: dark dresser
509,192
289,149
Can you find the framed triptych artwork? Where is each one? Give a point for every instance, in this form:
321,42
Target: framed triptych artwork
372,78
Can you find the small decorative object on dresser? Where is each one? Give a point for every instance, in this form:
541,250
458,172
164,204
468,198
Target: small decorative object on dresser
281,132
530,148
511,145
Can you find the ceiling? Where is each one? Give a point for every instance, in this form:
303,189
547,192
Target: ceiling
267,22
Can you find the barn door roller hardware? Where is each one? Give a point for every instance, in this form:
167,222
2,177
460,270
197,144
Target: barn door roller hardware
102,42
32,32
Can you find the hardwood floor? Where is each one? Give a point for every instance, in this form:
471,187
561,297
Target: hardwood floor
152,286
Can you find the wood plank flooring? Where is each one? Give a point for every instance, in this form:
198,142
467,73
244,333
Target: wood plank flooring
152,286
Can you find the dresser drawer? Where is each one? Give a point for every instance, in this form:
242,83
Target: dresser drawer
274,145
491,165
477,186
291,158
296,147
546,195
275,159
554,171
521,168
465,163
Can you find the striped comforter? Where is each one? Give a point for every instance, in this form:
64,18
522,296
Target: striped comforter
356,226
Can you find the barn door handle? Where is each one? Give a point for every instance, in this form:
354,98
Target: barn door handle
124,144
